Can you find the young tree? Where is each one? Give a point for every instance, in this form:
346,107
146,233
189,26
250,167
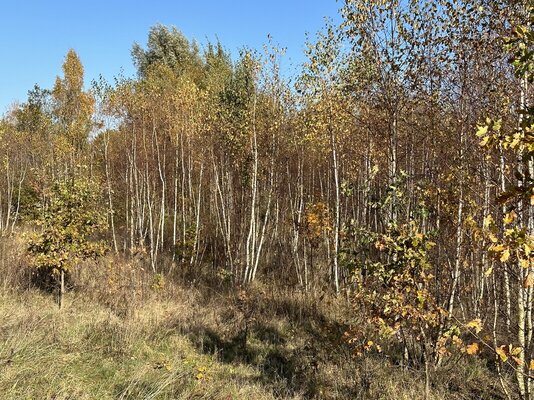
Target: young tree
71,218
73,107
395,288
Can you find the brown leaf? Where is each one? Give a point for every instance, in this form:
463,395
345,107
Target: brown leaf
529,280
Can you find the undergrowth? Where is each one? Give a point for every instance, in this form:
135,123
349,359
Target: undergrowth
126,334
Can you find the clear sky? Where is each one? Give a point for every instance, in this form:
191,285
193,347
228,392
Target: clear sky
35,35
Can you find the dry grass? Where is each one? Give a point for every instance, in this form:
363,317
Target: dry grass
87,352
125,334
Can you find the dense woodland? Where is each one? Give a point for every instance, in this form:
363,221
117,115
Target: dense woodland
393,173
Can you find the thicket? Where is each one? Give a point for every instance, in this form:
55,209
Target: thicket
396,172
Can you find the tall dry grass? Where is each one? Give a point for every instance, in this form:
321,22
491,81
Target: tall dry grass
126,333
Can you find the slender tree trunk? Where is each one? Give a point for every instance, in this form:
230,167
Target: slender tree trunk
251,237
61,289
337,208
109,190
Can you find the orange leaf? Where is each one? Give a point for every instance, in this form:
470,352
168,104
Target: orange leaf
529,280
472,348
518,361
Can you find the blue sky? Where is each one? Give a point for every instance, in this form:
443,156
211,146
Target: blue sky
35,35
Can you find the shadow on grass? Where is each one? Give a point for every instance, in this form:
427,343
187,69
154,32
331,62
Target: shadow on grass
286,368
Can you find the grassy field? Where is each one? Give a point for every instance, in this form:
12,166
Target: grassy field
127,334
186,344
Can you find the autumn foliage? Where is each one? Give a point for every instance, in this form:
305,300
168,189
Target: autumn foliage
394,172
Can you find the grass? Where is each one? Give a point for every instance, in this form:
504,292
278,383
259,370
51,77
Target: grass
121,337
87,352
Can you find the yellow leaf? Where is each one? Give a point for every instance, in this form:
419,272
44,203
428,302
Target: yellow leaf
475,324
484,141
531,365
488,221
488,271
505,255
482,130
497,248
502,353
515,351
526,247
472,348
